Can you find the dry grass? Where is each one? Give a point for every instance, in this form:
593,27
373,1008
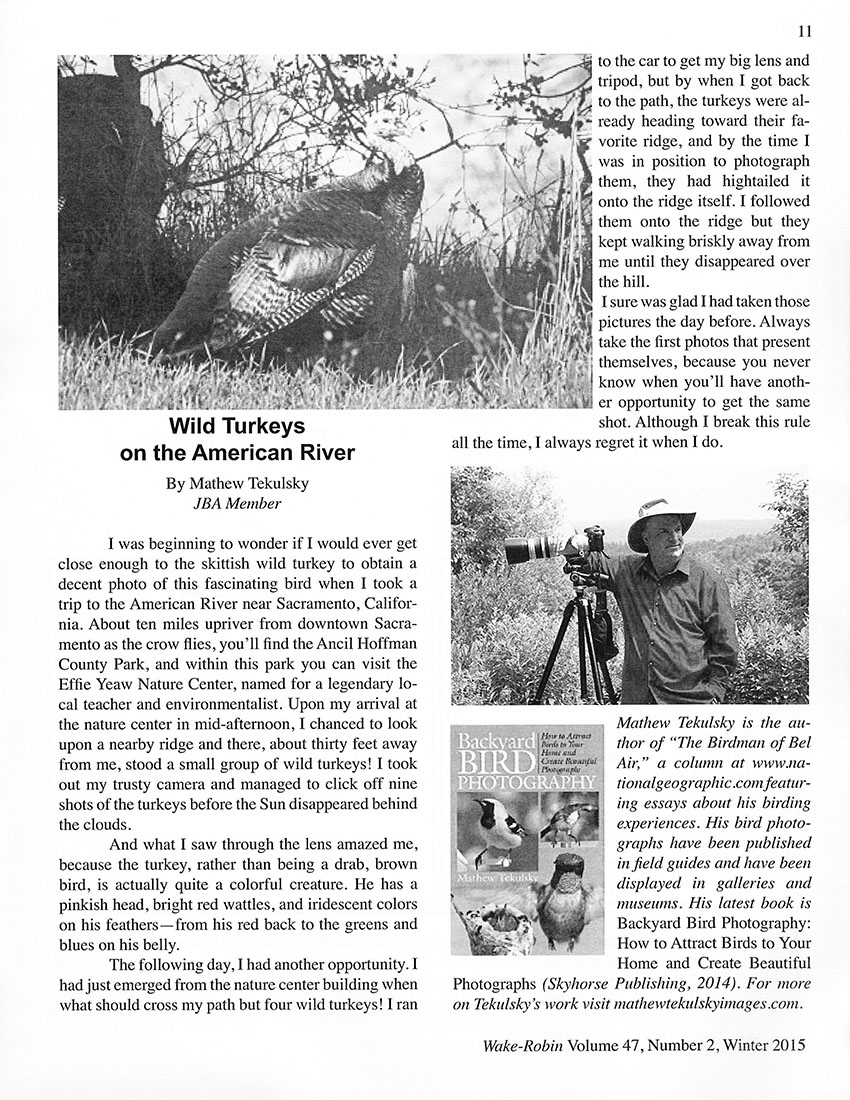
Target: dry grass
109,373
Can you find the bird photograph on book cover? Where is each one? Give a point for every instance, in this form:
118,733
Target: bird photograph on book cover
324,231
527,840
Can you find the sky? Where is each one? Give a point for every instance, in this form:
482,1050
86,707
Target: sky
481,170
726,503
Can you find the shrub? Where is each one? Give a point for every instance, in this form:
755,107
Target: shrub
774,665
504,625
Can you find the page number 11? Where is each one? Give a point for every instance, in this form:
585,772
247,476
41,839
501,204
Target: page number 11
805,32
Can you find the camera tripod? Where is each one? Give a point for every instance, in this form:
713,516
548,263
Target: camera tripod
592,649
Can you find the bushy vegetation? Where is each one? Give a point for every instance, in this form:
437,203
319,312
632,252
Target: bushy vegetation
502,310
504,620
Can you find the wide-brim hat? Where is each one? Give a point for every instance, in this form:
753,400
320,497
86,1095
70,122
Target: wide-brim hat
660,507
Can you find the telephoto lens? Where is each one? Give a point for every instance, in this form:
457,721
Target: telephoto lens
520,550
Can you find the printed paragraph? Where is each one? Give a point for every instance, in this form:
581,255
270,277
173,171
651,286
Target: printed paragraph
703,186
236,718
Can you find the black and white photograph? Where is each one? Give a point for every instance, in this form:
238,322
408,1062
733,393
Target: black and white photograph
324,231
678,591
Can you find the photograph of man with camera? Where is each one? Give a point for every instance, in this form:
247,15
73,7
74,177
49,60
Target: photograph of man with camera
653,622
678,627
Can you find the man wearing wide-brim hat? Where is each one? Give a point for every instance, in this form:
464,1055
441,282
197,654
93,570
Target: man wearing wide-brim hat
681,646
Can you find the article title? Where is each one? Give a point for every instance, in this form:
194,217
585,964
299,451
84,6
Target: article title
509,763
258,450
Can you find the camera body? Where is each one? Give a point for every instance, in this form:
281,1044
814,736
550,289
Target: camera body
595,539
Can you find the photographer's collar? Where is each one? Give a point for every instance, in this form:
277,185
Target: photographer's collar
683,566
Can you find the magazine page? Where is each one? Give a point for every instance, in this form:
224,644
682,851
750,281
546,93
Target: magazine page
367,417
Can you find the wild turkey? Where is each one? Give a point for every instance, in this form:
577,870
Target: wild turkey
325,266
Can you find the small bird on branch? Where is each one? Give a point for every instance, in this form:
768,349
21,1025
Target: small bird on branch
498,830
567,823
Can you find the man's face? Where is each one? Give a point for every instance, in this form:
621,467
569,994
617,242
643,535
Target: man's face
664,540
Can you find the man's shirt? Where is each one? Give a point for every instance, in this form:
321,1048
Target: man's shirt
680,641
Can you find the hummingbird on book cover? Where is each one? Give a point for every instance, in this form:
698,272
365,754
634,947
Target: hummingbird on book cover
562,907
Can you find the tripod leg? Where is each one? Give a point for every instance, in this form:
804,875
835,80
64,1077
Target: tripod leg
592,656
601,670
582,650
553,656
609,686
